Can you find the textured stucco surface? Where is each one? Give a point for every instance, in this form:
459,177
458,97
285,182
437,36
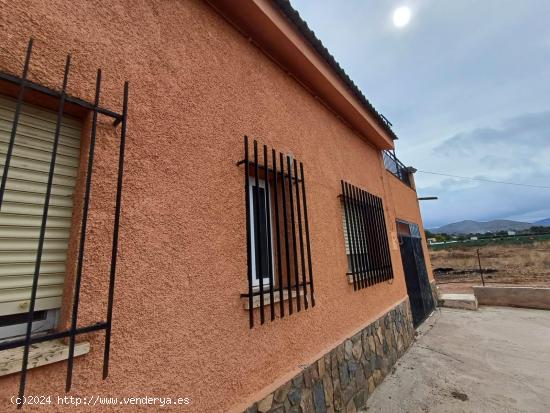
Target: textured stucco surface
405,207
196,87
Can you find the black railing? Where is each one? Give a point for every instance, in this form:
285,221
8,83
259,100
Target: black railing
396,167
279,262
366,237
24,84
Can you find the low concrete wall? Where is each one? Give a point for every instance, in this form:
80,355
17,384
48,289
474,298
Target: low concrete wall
435,294
462,301
528,297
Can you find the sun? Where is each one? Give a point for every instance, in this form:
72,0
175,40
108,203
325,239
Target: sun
401,16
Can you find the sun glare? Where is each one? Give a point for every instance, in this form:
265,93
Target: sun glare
401,16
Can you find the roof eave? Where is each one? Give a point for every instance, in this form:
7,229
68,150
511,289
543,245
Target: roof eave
283,39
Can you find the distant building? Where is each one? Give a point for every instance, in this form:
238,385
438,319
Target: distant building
473,238
511,232
432,240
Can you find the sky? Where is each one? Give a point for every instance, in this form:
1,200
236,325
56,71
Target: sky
466,85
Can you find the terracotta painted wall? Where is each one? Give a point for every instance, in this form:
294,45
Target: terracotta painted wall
196,87
405,205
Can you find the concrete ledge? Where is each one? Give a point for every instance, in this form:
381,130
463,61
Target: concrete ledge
462,301
39,355
276,298
527,297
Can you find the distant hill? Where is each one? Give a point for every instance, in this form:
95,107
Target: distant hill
543,223
473,227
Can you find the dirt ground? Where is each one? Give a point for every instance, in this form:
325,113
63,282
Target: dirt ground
456,270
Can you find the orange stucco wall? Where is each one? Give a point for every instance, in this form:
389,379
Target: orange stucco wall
197,86
405,207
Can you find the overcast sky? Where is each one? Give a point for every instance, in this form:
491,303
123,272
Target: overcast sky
466,85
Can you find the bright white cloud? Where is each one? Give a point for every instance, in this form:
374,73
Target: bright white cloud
465,92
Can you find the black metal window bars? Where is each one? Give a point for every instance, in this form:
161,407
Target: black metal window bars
24,84
289,272
365,227
396,167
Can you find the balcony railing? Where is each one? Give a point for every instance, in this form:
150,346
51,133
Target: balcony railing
397,168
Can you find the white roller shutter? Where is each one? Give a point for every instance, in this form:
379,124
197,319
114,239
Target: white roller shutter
353,224
21,213
358,227
345,226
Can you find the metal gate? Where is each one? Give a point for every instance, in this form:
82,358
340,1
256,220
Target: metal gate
416,275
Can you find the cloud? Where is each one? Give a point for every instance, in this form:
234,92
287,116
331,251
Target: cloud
513,146
516,150
464,86
483,202
522,131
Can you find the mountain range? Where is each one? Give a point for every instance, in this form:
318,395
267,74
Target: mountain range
543,223
474,227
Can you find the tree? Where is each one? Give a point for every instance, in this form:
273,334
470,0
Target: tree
429,234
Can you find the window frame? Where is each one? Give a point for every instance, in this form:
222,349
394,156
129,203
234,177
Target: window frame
66,104
287,174
51,305
17,330
255,279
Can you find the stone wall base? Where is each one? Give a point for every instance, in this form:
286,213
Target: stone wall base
343,379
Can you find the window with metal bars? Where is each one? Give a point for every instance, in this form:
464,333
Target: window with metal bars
280,276
35,160
365,237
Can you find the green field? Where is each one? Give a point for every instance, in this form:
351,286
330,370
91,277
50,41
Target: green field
508,240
